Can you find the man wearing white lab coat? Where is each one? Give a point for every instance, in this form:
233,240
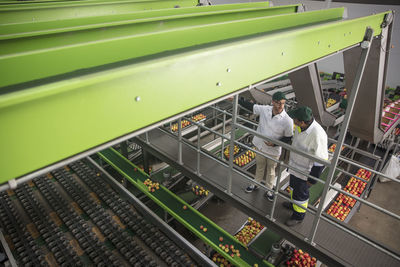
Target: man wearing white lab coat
310,138
276,124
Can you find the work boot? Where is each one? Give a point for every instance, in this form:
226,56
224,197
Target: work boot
269,195
293,222
251,188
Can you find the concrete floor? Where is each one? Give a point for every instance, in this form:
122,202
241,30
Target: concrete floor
377,225
371,223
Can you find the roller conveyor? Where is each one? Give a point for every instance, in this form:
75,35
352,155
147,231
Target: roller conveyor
340,247
188,216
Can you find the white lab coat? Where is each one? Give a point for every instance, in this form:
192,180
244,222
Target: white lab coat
273,127
313,141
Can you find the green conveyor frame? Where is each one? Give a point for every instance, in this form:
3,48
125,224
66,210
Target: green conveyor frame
77,9
211,14
64,95
190,218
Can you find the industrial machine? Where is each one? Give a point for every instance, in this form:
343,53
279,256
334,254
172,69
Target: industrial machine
83,80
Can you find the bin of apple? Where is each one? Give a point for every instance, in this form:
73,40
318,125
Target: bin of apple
245,158
330,102
249,231
236,150
198,117
200,191
151,186
333,147
346,200
355,186
184,123
300,258
338,210
363,173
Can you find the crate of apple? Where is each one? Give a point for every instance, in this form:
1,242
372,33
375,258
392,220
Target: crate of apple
346,200
199,191
333,147
184,123
249,231
245,158
236,150
363,173
198,117
355,186
330,102
300,258
338,210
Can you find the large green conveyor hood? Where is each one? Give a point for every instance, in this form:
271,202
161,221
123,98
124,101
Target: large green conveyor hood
67,92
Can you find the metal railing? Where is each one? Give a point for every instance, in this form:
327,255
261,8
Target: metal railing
332,165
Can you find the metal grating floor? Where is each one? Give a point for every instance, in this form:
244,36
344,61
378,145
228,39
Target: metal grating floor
329,238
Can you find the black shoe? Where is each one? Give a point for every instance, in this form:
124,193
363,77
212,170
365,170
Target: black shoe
287,205
293,222
269,195
251,188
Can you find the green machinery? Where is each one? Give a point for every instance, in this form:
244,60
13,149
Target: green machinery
119,78
78,77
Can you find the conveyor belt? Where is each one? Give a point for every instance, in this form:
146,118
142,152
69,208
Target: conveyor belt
189,217
333,245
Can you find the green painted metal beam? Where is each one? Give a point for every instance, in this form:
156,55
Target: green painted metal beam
28,3
16,30
70,51
78,9
190,218
49,122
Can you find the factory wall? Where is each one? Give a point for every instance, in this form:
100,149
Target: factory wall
335,63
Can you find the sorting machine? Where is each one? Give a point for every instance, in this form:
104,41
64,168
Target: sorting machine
97,65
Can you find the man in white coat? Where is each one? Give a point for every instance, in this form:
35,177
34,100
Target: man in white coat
276,124
310,138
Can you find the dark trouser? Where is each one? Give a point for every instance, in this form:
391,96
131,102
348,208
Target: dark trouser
316,172
299,196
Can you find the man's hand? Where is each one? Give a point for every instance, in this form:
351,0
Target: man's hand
269,143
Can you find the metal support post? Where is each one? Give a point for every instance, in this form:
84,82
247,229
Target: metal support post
146,165
124,149
353,152
180,141
198,151
214,114
232,143
147,138
223,134
365,45
278,181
